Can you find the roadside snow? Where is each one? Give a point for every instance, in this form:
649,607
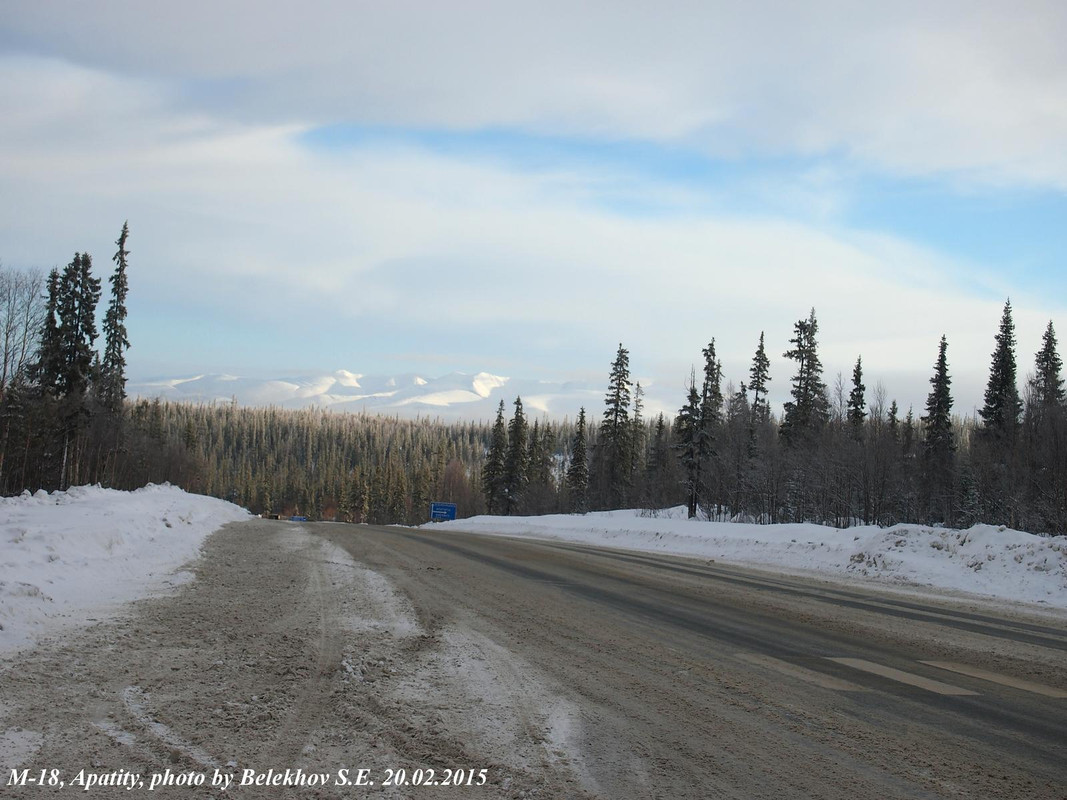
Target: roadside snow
67,557
982,560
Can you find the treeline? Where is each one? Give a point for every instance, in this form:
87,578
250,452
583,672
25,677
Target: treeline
63,416
317,463
65,420
834,455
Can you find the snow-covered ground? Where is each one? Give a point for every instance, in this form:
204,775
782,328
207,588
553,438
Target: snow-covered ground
983,560
68,557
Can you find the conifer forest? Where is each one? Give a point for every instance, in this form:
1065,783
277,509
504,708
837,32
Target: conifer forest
838,455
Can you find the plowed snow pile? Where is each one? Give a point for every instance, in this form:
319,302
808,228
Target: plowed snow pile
984,559
68,556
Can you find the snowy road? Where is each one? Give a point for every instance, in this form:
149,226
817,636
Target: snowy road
695,680
561,670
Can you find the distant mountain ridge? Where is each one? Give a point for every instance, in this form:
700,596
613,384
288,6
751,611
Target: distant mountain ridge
454,396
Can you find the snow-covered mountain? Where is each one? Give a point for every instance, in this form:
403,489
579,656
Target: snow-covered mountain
453,396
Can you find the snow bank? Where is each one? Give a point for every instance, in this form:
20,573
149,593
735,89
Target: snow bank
68,556
983,560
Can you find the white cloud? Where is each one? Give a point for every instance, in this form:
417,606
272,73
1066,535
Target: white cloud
235,219
968,87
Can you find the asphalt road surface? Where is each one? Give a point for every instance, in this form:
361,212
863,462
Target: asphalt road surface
534,669
696,680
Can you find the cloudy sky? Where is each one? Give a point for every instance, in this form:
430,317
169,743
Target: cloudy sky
517,188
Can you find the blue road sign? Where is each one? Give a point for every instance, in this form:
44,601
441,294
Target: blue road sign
440,512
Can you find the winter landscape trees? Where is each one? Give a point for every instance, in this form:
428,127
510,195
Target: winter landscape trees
833,456
839,460
61,409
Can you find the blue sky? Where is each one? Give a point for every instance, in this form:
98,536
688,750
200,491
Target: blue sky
407,187
1018,229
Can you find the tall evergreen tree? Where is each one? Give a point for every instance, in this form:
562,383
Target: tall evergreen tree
711,399
517,459
78,295
809,409
116,343
1045,441
691,443
711,408
50,354
67,311
992,468
938,443
758,378
1002,407
68,360
938,419
1046,384
578,471
857,404
615,439
617,401
493,469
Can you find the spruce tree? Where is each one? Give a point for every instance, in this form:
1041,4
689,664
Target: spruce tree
938,443
711,407
578,471
691,444
617,401
77,296
1046,434
88,298
857,404
493,469
758,378
516,460
809,409
1046,384
1002,407
615,438
50,354
711,399
67,358
116,343
69,336
938,419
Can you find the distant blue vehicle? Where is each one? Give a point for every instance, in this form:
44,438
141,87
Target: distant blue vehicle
298,519
441,512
